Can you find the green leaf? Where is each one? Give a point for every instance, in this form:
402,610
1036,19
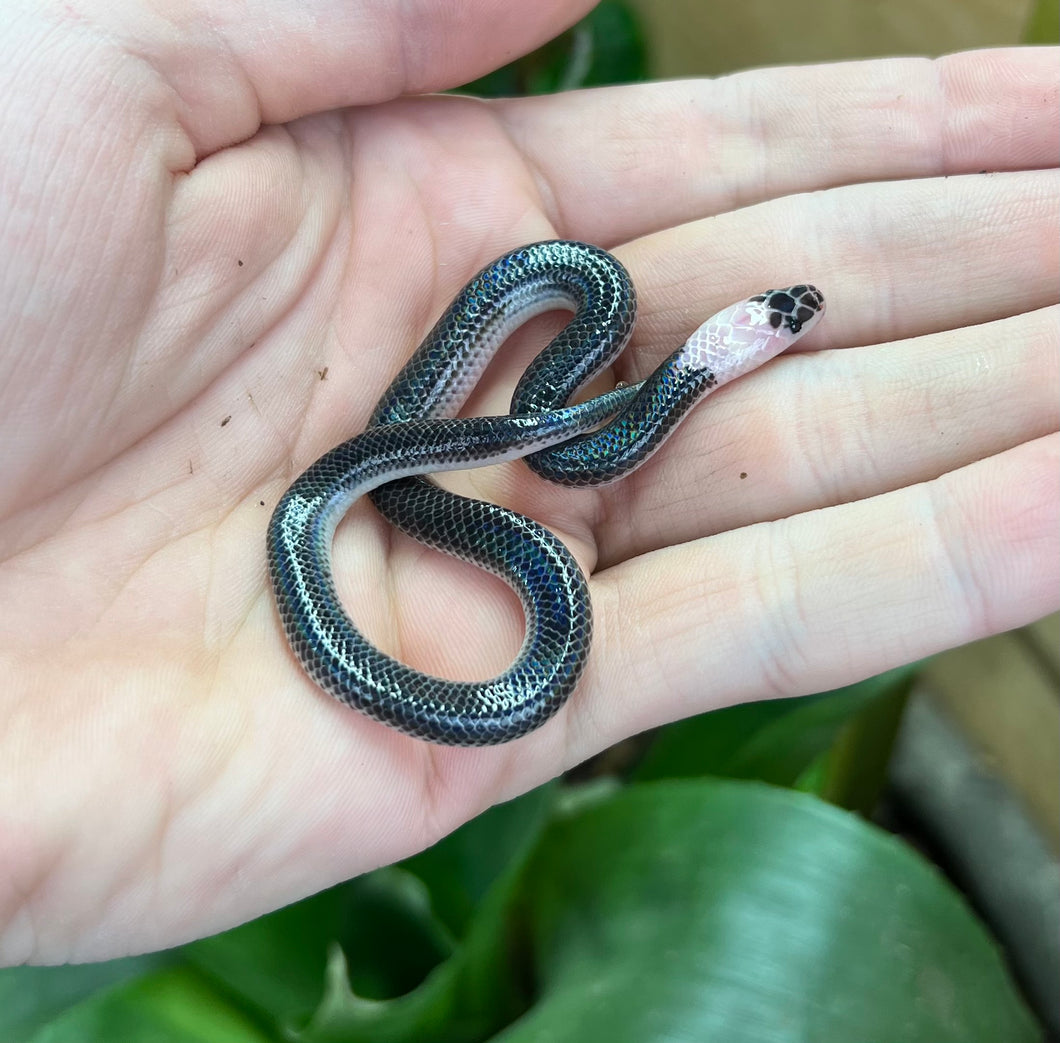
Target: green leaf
467,882
720,910
173,1006
1043,25
854,771
392,940
607,46
776,741
464,999
31,997
619,51
460,869
276,964
279,964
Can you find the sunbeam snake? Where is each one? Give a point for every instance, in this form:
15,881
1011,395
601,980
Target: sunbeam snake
413,431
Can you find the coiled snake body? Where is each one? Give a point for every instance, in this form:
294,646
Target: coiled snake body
413,432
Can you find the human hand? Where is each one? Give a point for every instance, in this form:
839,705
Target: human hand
208,281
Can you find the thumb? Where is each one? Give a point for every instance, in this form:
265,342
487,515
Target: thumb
234,67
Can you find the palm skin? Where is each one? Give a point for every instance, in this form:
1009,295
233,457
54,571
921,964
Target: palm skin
207,281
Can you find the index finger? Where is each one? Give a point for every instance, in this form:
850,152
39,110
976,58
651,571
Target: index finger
619,163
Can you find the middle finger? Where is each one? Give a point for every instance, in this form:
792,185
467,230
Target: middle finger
822,427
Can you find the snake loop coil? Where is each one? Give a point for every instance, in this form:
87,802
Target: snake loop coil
414,431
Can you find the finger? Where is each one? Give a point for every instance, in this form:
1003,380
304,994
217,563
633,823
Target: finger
822,599
232,68
874,250
896,259
818,428
616,164
826,428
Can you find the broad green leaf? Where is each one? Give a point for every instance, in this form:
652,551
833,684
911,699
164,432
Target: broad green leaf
460,869
776,741
31,997
606,46
172,1006
467,880
722,910
276,964
391,937
855,766
1043,25
464,999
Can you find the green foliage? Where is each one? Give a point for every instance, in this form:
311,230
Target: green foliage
1043,26
709,909
33,997
605,47
168,1006
783,741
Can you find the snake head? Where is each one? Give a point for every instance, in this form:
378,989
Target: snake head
793,308
745,335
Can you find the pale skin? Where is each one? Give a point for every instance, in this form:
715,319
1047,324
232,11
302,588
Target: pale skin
222,240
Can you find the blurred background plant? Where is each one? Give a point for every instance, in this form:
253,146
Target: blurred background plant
736,876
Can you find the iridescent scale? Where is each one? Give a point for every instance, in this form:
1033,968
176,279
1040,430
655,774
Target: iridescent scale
413,432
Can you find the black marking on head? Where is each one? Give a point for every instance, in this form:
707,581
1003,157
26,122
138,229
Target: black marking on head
781,300
812,297
793,307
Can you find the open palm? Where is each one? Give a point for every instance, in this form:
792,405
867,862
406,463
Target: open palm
221,243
